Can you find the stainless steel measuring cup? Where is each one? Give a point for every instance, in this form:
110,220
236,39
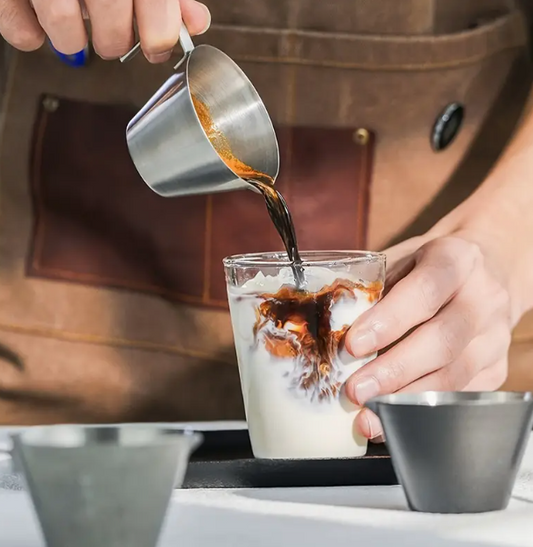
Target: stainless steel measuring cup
456,452
167,142
95,486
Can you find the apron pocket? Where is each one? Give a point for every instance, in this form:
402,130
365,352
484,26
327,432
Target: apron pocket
97,223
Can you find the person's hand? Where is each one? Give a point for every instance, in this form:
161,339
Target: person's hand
26,23
448,305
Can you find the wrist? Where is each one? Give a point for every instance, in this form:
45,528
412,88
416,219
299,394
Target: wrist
505,239
508,257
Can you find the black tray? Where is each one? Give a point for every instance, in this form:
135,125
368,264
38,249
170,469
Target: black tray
225,460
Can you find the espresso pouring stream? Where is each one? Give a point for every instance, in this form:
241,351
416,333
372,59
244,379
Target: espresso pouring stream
275,203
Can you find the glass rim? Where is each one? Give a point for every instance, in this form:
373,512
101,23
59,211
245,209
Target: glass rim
309,258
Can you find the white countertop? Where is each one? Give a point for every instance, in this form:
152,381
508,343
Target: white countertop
370,516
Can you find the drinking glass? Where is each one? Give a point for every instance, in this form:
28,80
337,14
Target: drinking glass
290,348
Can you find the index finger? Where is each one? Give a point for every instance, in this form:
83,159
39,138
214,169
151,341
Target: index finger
439,273
159,23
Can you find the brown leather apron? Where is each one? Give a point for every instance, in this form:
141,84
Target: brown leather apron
112,299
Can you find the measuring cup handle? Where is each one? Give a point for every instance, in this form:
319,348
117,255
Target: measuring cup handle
185,40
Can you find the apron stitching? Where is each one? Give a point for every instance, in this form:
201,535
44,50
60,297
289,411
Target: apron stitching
108,341
433,16
8,92
39,228
290,105
290,113
87,277
293,11
373,67
361,201
207,247
512,17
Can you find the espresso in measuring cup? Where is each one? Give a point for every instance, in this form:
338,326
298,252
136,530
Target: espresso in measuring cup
275,203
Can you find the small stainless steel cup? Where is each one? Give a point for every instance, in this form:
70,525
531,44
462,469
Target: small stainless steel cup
93,486
167,142
456,452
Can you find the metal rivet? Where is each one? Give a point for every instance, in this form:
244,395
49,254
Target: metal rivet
447,126
50,104
361,136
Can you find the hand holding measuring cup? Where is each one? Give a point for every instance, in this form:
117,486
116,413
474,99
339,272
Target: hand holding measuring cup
25,24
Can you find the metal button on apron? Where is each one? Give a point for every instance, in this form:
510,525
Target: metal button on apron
447,126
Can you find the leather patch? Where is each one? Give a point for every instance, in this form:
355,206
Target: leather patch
96,222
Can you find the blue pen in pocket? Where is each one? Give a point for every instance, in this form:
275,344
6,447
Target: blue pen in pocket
76,59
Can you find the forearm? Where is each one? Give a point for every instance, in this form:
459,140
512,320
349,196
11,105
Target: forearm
499,215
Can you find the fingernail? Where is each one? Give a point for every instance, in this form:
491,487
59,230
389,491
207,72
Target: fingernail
208,18
158,57
379,439
362,343
365,389
373,424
